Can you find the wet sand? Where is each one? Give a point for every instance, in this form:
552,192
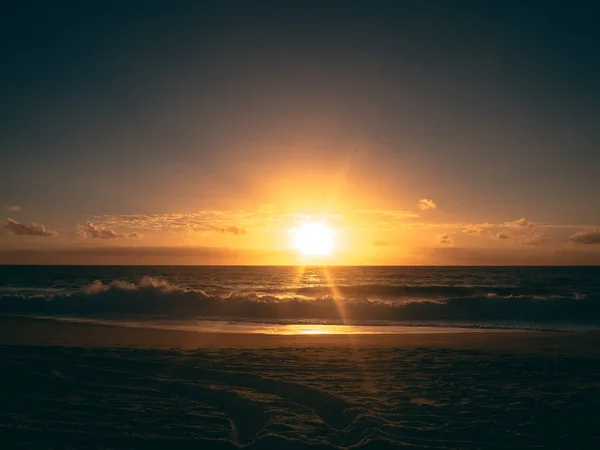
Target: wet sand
52,332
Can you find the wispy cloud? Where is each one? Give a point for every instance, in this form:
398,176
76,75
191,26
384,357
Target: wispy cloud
483,229
35,229
236,222
426,203
521,231
13,208
590,237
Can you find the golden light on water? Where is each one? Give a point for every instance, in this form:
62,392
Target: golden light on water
303,329
346,329
314,331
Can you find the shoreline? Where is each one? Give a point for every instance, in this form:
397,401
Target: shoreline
228,326
51,332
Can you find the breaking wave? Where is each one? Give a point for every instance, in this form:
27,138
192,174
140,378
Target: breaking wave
154,297
382,291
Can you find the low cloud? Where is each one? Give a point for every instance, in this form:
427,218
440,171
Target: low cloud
591,237
520,223
14,208
20,229
95,231
473,230
446,239
233,230
521,231
426,203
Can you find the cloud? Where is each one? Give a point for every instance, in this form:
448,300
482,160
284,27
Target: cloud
233,230
484,227
446,239
95,231
520,231
426,203
35,229
473,230
14,208
520,223
590,237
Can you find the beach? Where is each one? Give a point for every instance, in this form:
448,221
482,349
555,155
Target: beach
76,385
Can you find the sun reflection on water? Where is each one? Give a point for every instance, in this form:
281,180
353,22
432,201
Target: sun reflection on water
313,331
292,329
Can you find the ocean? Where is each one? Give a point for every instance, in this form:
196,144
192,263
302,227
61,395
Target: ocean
290,300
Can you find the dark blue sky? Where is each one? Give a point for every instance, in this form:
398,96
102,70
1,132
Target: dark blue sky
113,107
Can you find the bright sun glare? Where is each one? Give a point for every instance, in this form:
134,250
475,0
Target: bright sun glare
313,239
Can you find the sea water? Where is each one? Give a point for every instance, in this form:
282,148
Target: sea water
258,299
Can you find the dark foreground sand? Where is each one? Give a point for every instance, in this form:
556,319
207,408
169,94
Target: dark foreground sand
82,386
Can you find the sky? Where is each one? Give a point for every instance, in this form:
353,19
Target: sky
419,132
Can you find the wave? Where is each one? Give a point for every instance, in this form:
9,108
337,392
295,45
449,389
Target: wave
382,291
153,297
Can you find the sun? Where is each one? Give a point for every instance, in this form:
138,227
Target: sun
315,239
